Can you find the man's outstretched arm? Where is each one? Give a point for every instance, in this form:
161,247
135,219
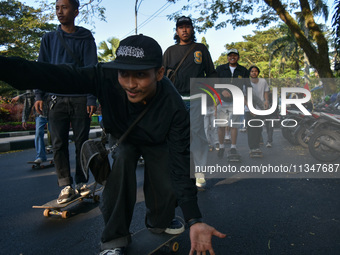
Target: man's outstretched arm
23,74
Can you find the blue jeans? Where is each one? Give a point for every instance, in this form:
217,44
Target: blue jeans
40,123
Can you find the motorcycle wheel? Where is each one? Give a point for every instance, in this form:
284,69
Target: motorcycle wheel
301,137
321,151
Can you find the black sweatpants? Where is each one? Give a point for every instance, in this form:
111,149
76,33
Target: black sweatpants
119,195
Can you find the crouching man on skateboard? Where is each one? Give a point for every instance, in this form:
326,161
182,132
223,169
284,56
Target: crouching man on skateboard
125,87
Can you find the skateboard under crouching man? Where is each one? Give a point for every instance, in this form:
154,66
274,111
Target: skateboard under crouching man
53,208
39,165
145,242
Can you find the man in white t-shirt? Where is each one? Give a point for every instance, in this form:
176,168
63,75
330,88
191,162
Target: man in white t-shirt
261,91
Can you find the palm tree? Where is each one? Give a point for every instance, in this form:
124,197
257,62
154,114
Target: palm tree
108,52
336,30
287,47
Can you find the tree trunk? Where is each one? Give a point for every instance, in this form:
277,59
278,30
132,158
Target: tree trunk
319,60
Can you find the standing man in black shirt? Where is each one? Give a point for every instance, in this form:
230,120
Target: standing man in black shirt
182,61
239,76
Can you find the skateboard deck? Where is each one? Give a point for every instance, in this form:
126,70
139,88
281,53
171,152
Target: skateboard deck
48,163
53,208
233,157
256,154
145,242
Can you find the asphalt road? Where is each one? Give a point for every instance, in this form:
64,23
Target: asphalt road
290,215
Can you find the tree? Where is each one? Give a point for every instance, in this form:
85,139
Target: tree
108,52
87,10
336,30
204,41
254,51
21,29
287,47
219,14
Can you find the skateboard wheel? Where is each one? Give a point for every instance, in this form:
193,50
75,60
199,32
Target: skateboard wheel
33,166
174,246
96,198
65,214
42,166
47,212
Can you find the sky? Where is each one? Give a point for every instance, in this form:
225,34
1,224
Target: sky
152,21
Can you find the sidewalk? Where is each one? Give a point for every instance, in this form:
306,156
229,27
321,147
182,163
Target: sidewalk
25,139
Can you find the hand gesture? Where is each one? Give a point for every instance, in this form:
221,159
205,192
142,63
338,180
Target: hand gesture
200,237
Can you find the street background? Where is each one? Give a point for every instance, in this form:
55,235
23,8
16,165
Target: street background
259,216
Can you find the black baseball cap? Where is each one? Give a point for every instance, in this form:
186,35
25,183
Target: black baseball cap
137,52
183,20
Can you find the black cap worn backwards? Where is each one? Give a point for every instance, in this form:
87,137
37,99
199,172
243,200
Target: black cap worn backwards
183,20
137,52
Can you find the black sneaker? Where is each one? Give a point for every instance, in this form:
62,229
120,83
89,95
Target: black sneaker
116,251
220,153
176,227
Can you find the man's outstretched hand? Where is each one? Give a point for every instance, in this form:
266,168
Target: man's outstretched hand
200,237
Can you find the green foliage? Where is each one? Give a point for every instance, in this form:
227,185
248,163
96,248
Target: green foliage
21,29
204,41
107,52
254,51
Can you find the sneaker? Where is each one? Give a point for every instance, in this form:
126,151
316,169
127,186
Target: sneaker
220,153
217,146
211,148
269,145
116,251
82,189
252,151
233,151
176,227
66,194
200,182
39,160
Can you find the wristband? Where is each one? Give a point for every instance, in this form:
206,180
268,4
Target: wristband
194,221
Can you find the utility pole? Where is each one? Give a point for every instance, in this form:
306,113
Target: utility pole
136,10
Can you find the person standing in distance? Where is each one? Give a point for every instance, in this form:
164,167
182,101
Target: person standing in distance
239,76
260,91
192,60
70,44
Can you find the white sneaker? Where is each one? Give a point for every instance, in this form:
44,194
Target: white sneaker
176,227
66,195
116,251
39,160
82,189
200,182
